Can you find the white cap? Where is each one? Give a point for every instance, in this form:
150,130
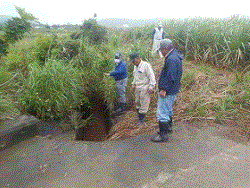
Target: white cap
165,43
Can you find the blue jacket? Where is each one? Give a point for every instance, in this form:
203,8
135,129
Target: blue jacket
170,77
120,71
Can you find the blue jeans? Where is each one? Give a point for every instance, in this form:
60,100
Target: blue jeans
165,108
121,90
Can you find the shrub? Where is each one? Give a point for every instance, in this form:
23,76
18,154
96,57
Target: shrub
6,103
75,35
94,32
5,75
73,47
3,47
43,46
15,28
188,79
142,49
19,54
52,90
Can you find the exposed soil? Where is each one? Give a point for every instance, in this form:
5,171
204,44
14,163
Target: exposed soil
236,128
99,125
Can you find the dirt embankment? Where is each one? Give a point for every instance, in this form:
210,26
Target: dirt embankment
199,97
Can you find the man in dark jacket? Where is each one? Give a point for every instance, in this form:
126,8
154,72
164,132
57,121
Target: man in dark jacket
169,86
120,76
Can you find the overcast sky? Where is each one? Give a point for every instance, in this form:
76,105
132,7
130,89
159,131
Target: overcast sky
75,11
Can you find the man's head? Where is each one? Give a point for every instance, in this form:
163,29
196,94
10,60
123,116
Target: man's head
118,55
135,58
159,26
165,46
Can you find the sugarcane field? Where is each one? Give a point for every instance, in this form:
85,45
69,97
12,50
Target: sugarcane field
69,118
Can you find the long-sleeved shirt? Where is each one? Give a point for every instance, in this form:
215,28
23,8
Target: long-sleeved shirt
171,73
158,34
143,76
120,71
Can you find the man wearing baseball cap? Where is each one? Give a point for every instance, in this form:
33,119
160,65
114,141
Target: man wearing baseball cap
143,83
168,86
120,76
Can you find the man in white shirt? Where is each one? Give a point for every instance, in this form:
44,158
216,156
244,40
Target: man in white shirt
157,35
143,83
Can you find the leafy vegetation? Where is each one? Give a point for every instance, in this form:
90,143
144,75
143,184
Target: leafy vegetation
19,55
60,71
52,90
15,28
7,103
91,31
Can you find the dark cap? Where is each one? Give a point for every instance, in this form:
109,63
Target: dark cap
118,55
133,56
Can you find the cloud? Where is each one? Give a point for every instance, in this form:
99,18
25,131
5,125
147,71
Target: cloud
75,11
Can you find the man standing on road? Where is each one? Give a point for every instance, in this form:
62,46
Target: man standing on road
143,83
157,35
168,85
120,76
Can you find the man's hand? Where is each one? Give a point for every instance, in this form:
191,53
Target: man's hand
162,93
133,86
150,90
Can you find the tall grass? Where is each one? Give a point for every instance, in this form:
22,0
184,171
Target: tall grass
7,102
56,84
52,90
19,55
222,42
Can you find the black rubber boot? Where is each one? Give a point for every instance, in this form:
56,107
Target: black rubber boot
161,136
171,121
137,110
141,117
121,109
170,130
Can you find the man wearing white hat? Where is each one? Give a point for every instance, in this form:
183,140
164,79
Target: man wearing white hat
157,35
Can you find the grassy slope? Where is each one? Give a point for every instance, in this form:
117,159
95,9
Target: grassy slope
203,90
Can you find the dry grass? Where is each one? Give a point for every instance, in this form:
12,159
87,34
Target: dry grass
127,125
197,102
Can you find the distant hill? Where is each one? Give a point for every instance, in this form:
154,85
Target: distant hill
107,22
125,22
4,18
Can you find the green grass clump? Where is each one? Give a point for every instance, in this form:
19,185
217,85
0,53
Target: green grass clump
19,54
237,97
188,79
51,90
43,47
7,104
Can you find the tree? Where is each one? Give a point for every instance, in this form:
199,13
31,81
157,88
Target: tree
25,15
94,32
15,28
47,26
